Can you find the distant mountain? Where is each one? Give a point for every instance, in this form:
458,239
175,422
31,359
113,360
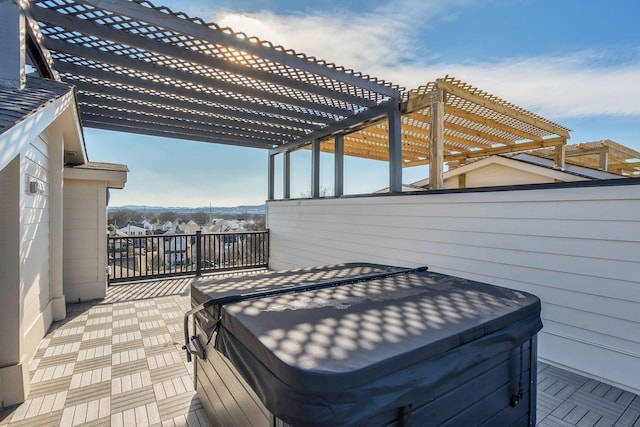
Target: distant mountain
244,209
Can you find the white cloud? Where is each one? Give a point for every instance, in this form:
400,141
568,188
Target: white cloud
384,43
553,86
363,40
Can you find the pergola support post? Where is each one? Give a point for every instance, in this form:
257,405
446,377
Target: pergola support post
560,155
272,176
604,160
436,140
286,175
338,166
315,168
462,180
395,151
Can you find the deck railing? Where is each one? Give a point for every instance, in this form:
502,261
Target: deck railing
143,257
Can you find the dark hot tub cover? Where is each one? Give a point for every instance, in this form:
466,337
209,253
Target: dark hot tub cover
339,355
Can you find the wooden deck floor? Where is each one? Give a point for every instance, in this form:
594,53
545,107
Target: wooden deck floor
118,362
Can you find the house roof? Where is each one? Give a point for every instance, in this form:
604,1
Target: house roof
17,105
115,175
577,170
146,69
115,167
27,112
603,154
531,163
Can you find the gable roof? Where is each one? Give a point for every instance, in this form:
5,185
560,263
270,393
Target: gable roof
42,104
531,163
577,170
17,105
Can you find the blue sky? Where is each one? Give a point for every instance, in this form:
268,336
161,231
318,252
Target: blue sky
576,62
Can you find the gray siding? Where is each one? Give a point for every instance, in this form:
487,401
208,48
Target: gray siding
578,249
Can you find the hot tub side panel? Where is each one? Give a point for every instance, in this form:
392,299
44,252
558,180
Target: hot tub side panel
477,395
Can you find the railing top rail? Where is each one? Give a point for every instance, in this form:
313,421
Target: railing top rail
226,233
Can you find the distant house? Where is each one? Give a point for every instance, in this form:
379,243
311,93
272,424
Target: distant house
190,227
175,249
169,227
522,168
517,169
147,226
133,230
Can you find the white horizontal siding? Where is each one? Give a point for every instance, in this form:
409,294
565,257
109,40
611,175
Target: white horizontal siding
35,235
578,249
85,241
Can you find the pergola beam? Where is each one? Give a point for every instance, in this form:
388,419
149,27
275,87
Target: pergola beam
192,116
619,149
165,132
587,152
90,91
188,55
549,142
349,124
105,76
202,32
509,112
476,118
189,78
476,133
178,126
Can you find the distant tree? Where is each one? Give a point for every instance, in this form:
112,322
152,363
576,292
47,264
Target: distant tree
122,217
153,218
200,218
324,192
258,224
167,216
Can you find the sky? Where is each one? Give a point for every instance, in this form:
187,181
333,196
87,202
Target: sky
575,62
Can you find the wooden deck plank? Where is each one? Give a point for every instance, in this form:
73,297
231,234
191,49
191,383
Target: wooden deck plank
153,385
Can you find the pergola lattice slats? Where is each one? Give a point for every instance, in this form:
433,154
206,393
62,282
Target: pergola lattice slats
166,94
179,78
191,52
475,124
97,100
166,60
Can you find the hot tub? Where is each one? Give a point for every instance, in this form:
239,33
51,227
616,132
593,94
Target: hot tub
363,344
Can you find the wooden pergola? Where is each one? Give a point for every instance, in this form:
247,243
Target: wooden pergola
448,121
605,155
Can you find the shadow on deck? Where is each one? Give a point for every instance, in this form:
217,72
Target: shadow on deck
117,362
